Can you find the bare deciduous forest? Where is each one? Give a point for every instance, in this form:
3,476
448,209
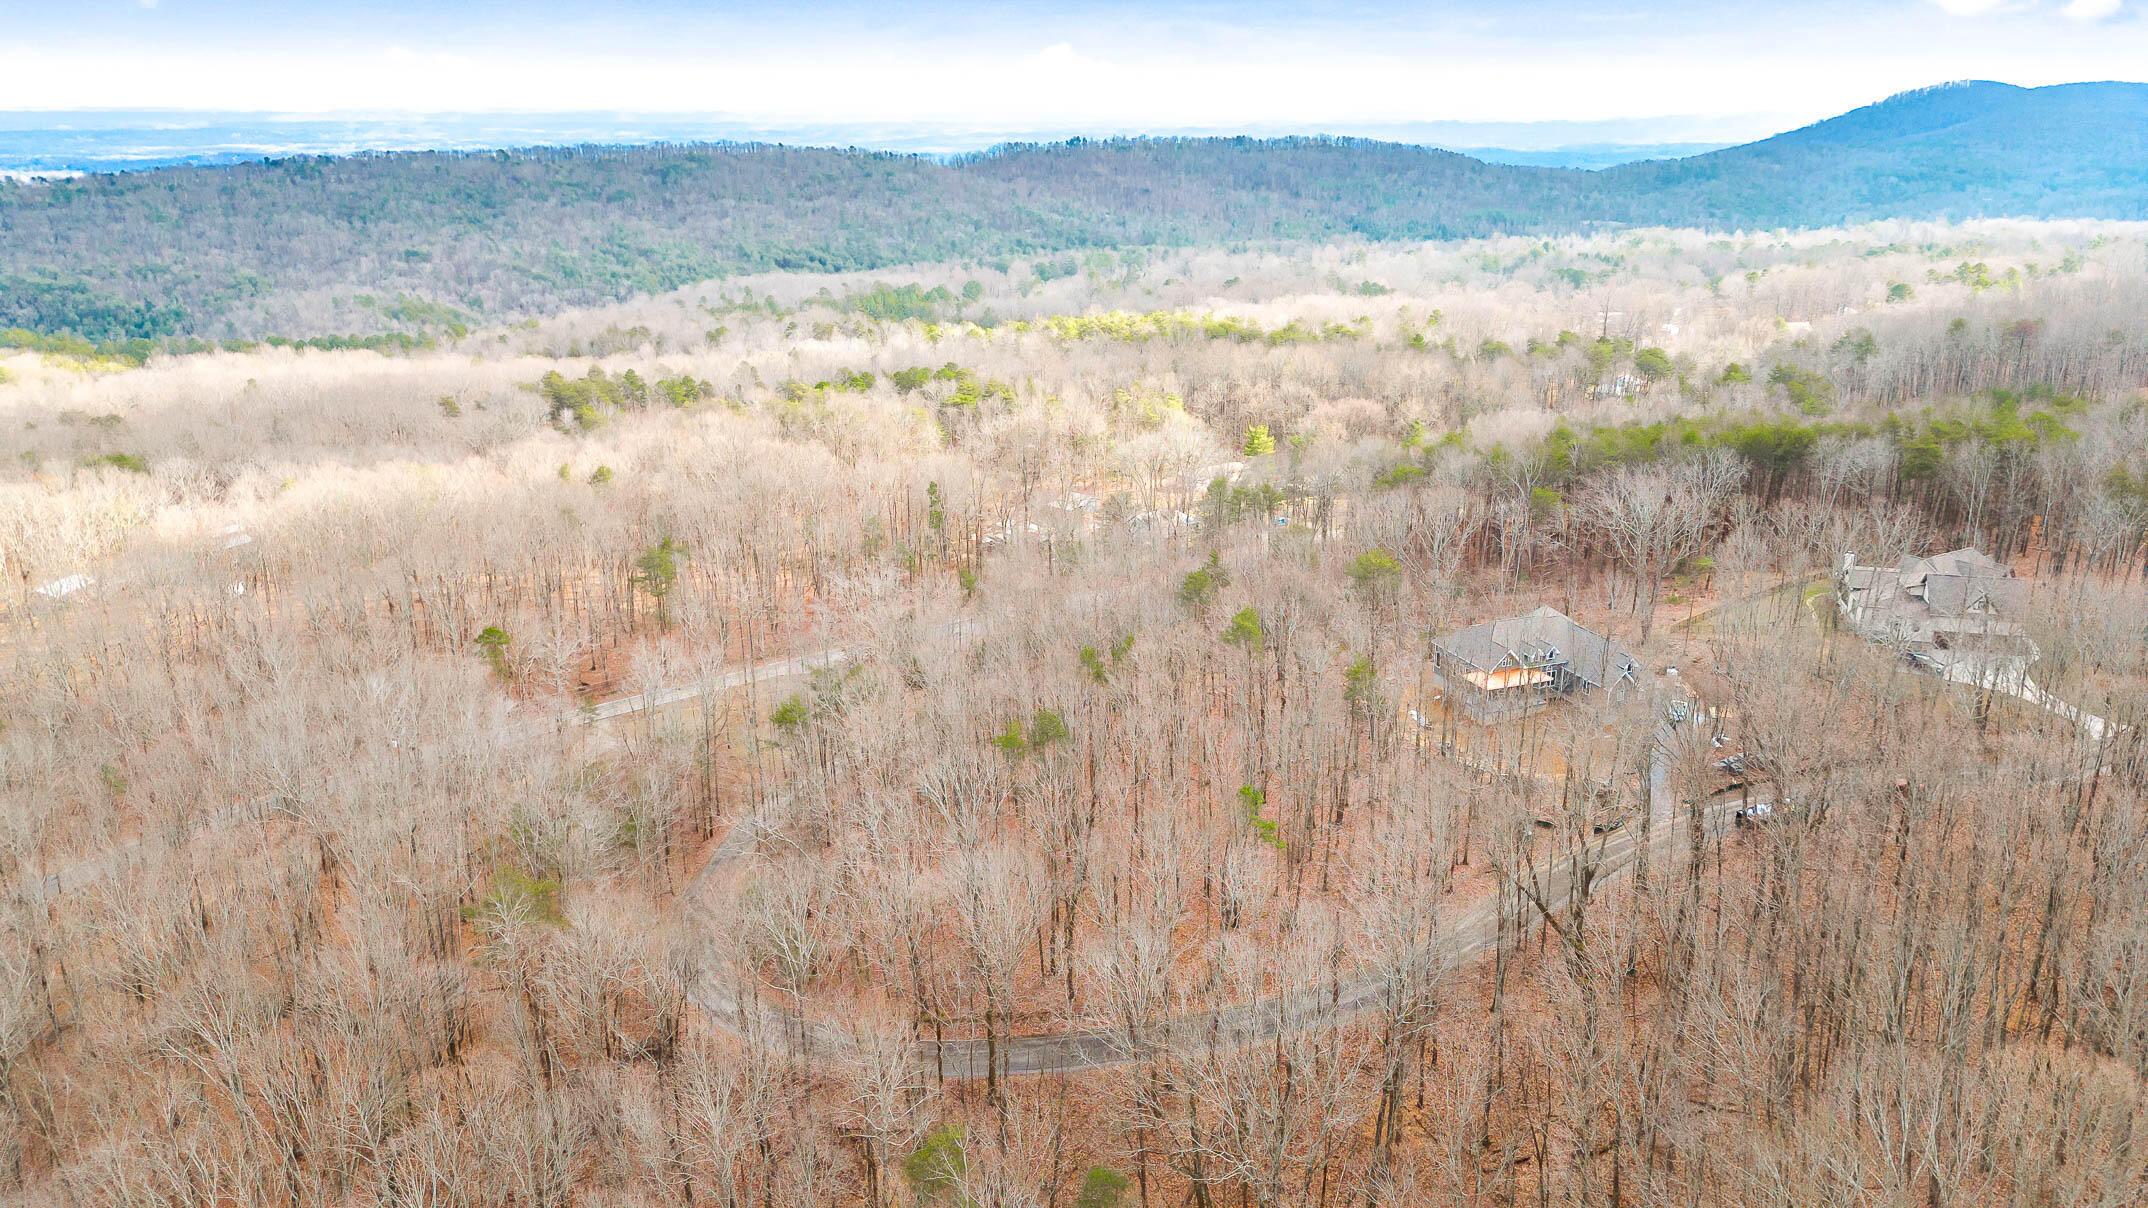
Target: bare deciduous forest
971,735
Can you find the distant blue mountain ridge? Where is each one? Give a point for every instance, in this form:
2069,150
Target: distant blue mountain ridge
33,142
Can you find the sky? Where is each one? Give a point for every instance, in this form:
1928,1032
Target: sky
1732,70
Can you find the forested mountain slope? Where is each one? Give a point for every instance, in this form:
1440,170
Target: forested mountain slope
429,240
1961,150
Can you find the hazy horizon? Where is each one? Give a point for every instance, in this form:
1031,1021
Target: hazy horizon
1092,65
59,141
34,141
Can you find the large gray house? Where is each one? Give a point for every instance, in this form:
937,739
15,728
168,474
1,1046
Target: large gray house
1506,668
1962,600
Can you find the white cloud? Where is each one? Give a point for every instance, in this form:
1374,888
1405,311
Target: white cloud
1974,8
2092,10
1063,55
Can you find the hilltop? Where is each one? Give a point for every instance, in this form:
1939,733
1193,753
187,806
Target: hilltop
1976,149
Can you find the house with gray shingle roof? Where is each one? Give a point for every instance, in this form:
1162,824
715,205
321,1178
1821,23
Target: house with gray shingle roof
1962,600
1510,667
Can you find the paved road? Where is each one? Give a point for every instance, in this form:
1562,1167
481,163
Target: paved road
1093,1048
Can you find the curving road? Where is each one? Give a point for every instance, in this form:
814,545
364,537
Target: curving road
1093,1048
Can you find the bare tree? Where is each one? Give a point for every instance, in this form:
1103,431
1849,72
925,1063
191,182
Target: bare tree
1651,520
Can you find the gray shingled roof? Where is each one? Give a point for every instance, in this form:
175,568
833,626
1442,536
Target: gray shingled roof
1960,582
1960,595
1537,638
1966,561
